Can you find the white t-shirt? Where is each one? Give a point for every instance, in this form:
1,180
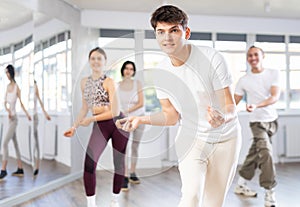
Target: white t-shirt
191,89
256,86
128,98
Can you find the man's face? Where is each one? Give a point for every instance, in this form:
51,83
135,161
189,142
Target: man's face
255,57
171,37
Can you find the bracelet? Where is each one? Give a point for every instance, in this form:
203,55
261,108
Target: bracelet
73,127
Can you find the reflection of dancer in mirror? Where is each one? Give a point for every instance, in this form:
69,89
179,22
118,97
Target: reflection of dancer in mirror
262,88
13,92
36,148
99,95
132,104
205,179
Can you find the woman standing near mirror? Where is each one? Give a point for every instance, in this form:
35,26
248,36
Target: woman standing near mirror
132,104
99,95
36,148
13,93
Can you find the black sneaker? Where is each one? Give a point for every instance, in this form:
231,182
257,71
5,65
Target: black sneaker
134,179
3,174
36,172
18,173
125,185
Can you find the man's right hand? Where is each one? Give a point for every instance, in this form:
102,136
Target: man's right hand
128,124
250,107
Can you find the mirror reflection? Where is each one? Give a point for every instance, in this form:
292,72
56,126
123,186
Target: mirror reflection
36,99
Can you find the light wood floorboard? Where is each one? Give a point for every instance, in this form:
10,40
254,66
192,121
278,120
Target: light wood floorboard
163,190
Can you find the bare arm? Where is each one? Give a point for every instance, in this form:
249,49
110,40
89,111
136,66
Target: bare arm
84,106
41,103
275,94
167,117
140,102
5,105
273,98
237,98
228,108
81,115
22,106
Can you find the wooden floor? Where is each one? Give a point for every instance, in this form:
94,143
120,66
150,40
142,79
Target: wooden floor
163,190
49,170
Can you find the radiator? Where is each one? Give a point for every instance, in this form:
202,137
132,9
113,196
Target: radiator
292,140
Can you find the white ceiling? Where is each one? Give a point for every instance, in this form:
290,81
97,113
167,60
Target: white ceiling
250,8
12,15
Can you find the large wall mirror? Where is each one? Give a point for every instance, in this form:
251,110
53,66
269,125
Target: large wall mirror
39,47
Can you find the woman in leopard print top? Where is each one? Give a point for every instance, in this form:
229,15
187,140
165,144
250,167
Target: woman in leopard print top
99,95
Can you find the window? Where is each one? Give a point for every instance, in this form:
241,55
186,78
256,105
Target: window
201,39
280,53
20,56
52,71
233,48
151,57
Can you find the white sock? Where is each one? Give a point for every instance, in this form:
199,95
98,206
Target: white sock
270,190
115,197
242,181
91,201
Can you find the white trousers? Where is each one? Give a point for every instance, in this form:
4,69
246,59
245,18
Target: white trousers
207,172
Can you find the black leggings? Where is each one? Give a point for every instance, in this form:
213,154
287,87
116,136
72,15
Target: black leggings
102,132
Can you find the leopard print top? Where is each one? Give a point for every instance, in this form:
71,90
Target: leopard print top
94,93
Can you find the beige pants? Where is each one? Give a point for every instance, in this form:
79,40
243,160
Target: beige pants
11,134
207,173
260,154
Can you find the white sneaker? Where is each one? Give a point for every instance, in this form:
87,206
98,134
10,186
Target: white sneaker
244,190
270,200
114,203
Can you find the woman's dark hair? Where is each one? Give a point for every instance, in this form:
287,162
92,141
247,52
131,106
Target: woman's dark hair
100,50
11,71
169,14
124,66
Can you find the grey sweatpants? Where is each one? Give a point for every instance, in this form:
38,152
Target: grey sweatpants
134,140
36,147
11,134
260,154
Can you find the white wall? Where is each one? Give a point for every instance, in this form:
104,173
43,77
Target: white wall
16,34
279,140
138,20
53,145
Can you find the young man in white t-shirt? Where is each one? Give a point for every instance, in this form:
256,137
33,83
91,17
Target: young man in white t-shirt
193,86
261,86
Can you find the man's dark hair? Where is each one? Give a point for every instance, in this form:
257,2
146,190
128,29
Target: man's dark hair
253,46
169,14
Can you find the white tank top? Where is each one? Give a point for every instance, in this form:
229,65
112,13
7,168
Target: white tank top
11,99
129,98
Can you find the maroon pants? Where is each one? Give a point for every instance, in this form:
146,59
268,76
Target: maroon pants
102,132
